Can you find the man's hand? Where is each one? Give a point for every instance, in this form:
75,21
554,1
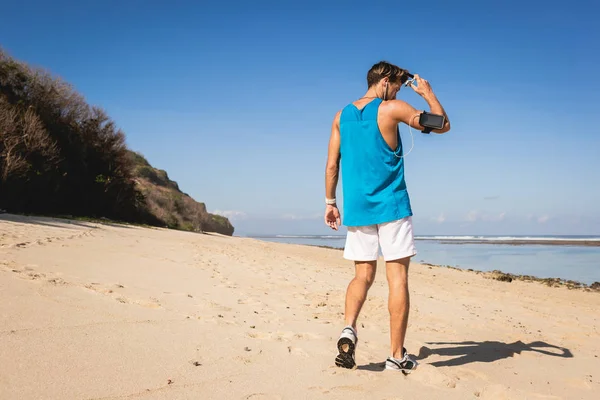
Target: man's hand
332,217
423,88
400,111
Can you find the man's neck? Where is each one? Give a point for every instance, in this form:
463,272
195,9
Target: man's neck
371,94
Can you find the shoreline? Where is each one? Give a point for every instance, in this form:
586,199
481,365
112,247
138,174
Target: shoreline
506,276
511,241
521,242
509,277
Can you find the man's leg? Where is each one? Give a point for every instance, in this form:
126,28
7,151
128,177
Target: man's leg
362,247
398,303
356,294
397,247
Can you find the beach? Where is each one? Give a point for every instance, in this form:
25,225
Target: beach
565,258
95,310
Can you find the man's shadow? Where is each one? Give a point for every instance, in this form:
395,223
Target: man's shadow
488,351
469,352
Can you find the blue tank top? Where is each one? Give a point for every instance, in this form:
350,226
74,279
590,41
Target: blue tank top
372,174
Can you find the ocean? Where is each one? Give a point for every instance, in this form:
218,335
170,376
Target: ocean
564,257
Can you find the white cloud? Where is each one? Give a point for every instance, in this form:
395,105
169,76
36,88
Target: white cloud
530,217
439,219
543,219
291,217
231,214
296,217
539,219
475,215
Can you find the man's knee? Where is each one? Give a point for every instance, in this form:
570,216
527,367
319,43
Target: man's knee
365,272
397,271
366,279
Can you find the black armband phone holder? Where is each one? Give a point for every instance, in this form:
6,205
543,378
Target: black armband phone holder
431,121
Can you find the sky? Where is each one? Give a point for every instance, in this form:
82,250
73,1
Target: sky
235,101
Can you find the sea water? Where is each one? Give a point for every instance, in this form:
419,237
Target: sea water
572,262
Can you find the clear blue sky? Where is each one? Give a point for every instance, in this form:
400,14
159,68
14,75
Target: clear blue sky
235,100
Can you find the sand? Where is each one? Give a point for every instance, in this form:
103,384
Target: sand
101,311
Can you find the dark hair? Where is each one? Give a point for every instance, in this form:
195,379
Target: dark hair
384,69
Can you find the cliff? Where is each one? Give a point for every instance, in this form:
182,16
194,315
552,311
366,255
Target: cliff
62,156
169,205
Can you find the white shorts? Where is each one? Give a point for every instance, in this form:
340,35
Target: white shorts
395,238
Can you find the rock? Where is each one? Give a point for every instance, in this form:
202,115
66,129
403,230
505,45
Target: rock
501,276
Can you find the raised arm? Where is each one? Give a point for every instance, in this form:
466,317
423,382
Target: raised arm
404,112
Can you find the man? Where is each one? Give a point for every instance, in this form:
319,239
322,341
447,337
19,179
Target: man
377,210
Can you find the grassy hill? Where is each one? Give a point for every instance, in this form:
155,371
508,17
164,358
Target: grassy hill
62,156
170,205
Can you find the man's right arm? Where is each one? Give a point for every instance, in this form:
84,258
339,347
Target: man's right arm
404,112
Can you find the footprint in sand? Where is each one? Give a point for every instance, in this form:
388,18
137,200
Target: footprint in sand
29,273
306,336
319,389
96,287
249,300
432,376
58,282
465,374
333,370
263,396
496,392
34,276
152,303
245,360
298,352
352,389
219,307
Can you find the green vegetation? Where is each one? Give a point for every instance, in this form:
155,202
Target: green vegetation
59,155
175,209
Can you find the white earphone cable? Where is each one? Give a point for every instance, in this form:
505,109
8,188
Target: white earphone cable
412,139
